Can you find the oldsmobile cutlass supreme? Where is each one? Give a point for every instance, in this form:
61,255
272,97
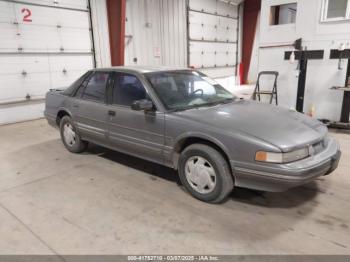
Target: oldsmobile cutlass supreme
185,120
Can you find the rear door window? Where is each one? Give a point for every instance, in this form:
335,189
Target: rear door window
95,89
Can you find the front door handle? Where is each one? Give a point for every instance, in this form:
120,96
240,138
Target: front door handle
111,112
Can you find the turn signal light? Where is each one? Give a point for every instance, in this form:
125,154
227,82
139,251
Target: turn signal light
261,156
272,157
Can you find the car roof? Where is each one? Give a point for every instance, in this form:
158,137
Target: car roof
140,69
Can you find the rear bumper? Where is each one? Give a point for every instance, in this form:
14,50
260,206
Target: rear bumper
51,119
282,177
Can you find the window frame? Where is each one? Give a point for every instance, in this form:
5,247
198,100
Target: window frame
324,13
286,24
86,82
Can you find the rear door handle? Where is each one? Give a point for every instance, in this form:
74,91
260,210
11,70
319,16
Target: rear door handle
111,113
76,106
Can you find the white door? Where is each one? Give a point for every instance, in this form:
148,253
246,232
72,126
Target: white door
43,45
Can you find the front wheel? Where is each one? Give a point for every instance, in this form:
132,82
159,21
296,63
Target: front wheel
205,173
70,137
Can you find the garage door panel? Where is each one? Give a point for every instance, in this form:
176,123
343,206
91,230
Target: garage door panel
226,9
76,62
213,27
214,7
67,18
36,39
202,26
203,54
49,30
61,80
64,70
76,4
199,32
42,72
212,47
16,64
226,59
199,18
30,39
20,86
219,72
196,60
37,84
196,46
47,16
221,59
7,12
225,35
227,30
232,56
196,31
208,59
76,40
8,38
38,15
44,44
11,91
205,5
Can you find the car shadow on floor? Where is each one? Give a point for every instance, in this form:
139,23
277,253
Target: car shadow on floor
155,170
292,198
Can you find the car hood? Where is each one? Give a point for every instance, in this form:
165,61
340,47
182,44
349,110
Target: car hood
278,126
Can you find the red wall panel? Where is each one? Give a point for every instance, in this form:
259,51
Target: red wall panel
250,18
116,24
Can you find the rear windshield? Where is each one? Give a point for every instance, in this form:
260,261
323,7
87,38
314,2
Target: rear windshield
76,84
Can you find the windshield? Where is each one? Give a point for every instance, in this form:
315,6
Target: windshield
181,90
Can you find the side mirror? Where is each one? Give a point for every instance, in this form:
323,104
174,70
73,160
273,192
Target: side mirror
143,104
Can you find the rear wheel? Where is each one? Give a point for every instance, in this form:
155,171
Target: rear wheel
205,173
70,137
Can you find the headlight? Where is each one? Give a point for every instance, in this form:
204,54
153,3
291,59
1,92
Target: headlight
270,157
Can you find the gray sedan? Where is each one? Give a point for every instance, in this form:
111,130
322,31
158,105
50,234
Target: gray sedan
185,120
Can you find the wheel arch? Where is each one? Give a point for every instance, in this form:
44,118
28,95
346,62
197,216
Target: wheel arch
60,114
190,139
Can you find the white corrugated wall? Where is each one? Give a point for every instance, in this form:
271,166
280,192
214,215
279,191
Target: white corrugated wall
100,32
156,33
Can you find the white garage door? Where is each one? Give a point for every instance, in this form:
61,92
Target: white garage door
213,37
43,44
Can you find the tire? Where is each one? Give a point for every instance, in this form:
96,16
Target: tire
72,141
196,165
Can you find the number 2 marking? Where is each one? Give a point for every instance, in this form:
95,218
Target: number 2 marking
27,13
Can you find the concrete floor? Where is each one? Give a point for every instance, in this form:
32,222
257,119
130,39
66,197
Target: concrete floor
103,202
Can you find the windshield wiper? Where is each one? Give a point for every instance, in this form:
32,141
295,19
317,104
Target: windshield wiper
228,100
214,103
218,102
183,108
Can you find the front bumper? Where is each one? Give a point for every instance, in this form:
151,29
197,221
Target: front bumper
277,178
